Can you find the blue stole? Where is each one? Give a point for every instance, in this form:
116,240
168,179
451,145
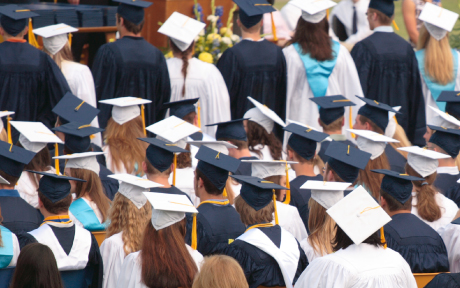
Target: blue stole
318,72
85,214
6,252
436,88
9,193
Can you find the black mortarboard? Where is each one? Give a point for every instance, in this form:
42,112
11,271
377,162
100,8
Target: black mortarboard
161,154
453,102
303,140
399,186
331,107
55,187
346,160
387,7
251,11
73,109
182,108
77,136
14,18
376,112
132,10
14,158
215,165
447,139
233,129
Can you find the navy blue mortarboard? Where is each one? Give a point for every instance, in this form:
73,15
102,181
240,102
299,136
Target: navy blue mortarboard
346,160
73,109
387,7
215,165
233,129
182,108
13,159
161,154
14,18
447,139
251,11
55,187
376,112
303,140
453,102
77,136
399,186
132,10
331,107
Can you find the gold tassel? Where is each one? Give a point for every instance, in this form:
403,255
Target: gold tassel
396,26
288,186
274,203
198,110
70,40
31,35
225,193
143,120
174,172
275,38
56,161
327,14
382,238
10,140
350,121
194,238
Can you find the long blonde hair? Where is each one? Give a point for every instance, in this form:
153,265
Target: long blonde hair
220,271
371,180
322,228
439,64
65,54
401,136
125,217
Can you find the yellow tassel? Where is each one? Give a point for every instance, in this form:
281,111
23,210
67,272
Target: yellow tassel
327,14
275,38
143,120
382,238
396,120
31,35
198,110
274,203
56,161
10,140
225,193
70,39
396,26
174,172
230,241
288,185
194,238
350,121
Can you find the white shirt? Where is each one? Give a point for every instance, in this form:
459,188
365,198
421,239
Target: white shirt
448,210
289,219
450,234
113,255
387,29
185,181
344,12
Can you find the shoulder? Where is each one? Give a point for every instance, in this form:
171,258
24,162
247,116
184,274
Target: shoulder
114,240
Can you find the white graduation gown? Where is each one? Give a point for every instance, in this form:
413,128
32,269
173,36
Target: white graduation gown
289,219
113,254
311,253
291,15
448,210
450,234
131,274
358,266
93,206
28,189
204,81
81,84
184,182
110,164
344,12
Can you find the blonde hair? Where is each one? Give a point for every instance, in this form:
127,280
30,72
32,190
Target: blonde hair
125,217
3,135
439,64
220,271
369,179
322,228
230,192
65,54
401,136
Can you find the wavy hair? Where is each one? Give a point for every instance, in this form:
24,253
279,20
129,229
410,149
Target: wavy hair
220,271
258,135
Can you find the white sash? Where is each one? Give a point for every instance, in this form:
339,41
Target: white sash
287,255
78,256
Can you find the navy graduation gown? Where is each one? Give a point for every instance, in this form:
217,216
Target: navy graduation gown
216,225
245,168
388,72
396,159
109,185
324,146
170,190
445,280
453,193
418,243
131,67
18,215
260,268
445,181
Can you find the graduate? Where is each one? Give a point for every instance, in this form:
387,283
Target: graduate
9,250
450,235
217,220
387,67
452,102
441,119
192,78
164,257
131,65
45,83
361,258
268,254
446,280
74,247
418,243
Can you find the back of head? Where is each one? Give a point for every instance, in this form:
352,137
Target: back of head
58,207
65,54
314,39
130,26
220,271
257,135
343,241
394,205
251,216
322,228
371,180
184,55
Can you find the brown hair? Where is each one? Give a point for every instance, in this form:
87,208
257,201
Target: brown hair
277,180
125,217
300,159
250,216
61,206
40,162
427,207
190,117
184,56
334,126
401,136
220,271
124,147
382,18
372,181
166,262
258,135
184,160
13,180
322,228
238,143
343,241
3,136
130,26
393,204
208,186
65,54
374,127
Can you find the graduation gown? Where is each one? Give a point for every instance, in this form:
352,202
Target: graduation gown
448,210
9,252
289,219
419,244
216,225
261,268
184,183
396,160
451,236
245,168
18,215
86,214
445,280
31,84
109,185
387,67
341,138
453,193
311,253
445,179
131,66
113,254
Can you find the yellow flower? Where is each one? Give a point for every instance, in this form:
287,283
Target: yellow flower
213,36
169,55
206,57
223,30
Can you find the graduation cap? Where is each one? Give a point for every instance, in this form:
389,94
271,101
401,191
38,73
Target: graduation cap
387,7
303,141
173,129
34,135
392,123
251,11
85,160
132,187
332,107
126,108
14,18
326,193
233,129
182,30
215,165
377,112
437,20
453,102
54,187
55,36
73,109
397,185
447,139
14,158
443,119
263,116
346,160
359,215
132,10
182,108
422,160
219,146
161,154
372,142
77,135
313,11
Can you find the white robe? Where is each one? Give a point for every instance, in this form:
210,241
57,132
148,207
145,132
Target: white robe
113,254
344,12
204,81
289,219
28,189
184,182
450,234
291,15
131,275
358,266
93,206
311,253
110,164
344,80
448,210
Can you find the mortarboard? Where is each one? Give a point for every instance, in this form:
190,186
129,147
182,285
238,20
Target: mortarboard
73,109
34,135
444,119
392,123
182,108
77,135
182,30
219,146
55,36
14,158
326,193
263,116
85,160
14,18
447,139
377,112
424,161
313,11
387,7
173,129
3,114
398,186
346,160
233,129
161,154
331,107
303,141
131,10
251,11
371,142
453,102
126,108
54,187
437,20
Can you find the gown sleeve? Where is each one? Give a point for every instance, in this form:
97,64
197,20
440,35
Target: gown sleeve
94,268
417,108
113,254
363,62
130,275
228,67
450,234
25,239
16,251
162,93
453,193
203,246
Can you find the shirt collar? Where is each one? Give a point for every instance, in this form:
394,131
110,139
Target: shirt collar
338,137
9,193
249,39
448,170
387,29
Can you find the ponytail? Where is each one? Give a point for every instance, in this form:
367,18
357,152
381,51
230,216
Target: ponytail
184,56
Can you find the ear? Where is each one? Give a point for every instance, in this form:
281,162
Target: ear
290,155
343,122
144,167
172,167
40,203
368,126
200,182
329,176
319,122
2,32
238,22
195,121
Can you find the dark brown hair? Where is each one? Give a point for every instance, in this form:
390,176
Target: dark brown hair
342,241
13,180
249,215
277,180
336,125
258,135
393,204
375,128
208,186
190,117
372,181
184,56
184,160
130,26
61,206
238,143
299,158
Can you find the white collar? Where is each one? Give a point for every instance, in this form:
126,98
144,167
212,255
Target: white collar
387,29
453,170
250,39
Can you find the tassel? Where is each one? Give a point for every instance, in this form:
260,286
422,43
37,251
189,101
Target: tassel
174,172
70,40
327,14
382,238
396,26
198,110
274,203
143,120
288,186
56,161
225,193
194,243
275,38
350,121
31,35
10,140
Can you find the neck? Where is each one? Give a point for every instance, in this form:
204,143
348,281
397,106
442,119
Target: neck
380,25
333,132
391,213
204,196
6,187
124,33
47,214
449,162
248,35
20,36
160,179
304,169
242,153
178,55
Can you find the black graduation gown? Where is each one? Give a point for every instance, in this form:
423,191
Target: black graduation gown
131,67
453,193
396,159
388,72
300,197
18,215
445,181
418,243
170,190
245,168
324,146
216,225
260,268
109,185
198,136
94,270
256,69
31,84
445,280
